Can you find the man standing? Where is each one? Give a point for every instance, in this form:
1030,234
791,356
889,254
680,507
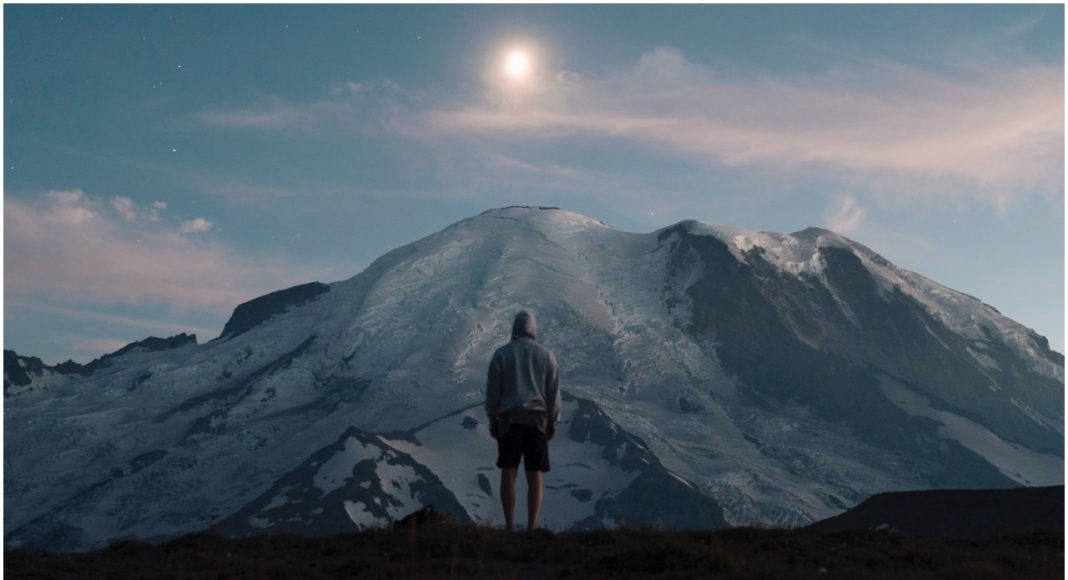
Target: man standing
523,406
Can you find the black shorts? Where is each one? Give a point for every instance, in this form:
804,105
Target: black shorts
526,441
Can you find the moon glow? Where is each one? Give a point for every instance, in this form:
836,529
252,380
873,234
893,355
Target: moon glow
517,65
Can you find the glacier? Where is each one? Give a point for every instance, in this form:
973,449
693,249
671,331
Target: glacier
714,376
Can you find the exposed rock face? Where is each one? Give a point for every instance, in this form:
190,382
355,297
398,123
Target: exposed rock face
258,310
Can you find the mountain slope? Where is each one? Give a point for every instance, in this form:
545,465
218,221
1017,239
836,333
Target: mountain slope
783,377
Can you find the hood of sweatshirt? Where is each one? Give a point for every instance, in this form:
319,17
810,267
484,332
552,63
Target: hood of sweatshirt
525,326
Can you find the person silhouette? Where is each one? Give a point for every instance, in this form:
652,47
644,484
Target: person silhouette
523,407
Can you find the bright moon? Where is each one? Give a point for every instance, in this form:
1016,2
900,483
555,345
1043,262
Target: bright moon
517,65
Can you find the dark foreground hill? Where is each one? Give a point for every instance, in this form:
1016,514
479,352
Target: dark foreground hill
956,513
468,551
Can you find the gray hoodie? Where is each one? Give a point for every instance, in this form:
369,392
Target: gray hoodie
523,381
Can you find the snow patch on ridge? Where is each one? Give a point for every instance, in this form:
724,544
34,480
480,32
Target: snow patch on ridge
397,480
983,359
795,253
338,469
581,473
1018,463
359,514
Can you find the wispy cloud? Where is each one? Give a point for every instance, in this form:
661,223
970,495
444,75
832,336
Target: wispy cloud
239,193
243,193
160,327
548,175
273,114
348,105
987,130
997,131
67,247
847,215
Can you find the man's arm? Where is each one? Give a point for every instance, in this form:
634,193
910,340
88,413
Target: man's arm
552,393
493,392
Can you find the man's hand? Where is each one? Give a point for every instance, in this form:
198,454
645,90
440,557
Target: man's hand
493,428
552,431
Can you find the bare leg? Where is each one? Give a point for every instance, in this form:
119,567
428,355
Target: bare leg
534,494
508,495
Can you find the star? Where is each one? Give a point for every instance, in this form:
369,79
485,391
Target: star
174,150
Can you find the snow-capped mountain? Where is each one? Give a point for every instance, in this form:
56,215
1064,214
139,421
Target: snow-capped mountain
714,376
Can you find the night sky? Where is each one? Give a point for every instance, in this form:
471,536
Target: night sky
164,163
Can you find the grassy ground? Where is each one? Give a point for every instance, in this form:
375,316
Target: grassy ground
445,551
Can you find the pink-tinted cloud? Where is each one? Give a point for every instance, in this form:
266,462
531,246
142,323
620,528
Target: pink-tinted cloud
196,226
129,210
995,130
67,247
125,207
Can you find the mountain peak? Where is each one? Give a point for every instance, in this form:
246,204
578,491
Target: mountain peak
796,253
508,208
541,213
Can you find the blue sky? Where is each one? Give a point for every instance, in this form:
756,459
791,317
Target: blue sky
164,163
